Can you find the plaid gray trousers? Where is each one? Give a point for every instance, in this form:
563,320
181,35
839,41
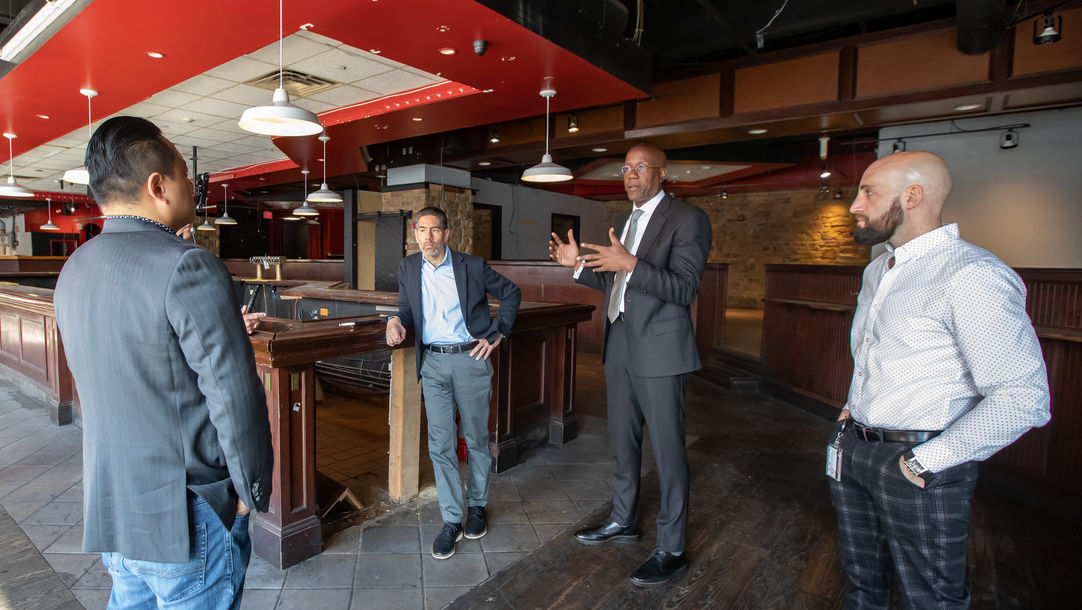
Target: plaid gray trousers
886,523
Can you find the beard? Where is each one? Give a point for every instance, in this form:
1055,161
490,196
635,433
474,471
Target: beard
881,229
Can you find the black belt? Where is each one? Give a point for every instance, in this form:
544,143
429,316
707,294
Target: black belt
457,348
880,435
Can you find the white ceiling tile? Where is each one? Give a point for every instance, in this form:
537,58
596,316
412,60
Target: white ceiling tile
210,136
172,99
242,69
203,84
179,114
143,109
341,67
296,48
234,147
393,82
217,107
379,59
313,105
245,94
342,96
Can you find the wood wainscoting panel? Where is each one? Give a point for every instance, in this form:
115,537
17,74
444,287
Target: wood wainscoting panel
785,84
918,63
34,356
9,335
527,392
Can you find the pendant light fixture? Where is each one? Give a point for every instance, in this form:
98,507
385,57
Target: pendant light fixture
324,194
305,209
546,170
49,226
824,172
80,175
226,219
280,118
12,188
206,226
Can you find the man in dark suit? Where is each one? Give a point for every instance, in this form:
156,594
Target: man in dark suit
650,274
442,294
176,440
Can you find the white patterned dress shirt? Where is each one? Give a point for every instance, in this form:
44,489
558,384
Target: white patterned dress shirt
640,228
942,341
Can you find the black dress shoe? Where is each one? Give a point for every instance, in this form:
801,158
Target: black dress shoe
610,532
658,569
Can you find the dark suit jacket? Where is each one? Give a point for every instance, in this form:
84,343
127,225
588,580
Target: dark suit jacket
474,279
657,303
170,397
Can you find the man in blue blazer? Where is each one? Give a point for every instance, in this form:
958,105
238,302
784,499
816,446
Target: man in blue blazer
176,439
650,273
442,294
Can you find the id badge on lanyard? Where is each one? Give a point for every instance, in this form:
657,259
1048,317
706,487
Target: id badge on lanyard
834,457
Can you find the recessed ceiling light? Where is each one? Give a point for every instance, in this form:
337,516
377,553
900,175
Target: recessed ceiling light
487,90
42,116
447,51
964,107
704,167
188,119
484,163
756,131
375,51
417,119
443,28
600,149
507,58
155,55
381,127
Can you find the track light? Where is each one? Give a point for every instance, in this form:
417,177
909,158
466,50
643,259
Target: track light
1051,29
572,123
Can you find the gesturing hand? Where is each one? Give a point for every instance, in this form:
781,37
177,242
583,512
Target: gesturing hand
614,257
395,332
565,254
251,320
484,348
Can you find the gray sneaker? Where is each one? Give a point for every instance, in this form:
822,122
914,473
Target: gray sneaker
444,545
476,523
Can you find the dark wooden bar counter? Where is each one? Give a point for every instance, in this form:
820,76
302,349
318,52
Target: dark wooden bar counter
548,282
806,322
31,352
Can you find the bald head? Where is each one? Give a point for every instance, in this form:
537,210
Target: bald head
917,168
901,197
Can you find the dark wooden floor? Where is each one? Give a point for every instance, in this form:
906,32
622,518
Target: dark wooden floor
762,532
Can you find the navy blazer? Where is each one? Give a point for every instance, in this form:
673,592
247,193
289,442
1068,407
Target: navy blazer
657,303
475,279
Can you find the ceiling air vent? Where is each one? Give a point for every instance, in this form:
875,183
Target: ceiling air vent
298,84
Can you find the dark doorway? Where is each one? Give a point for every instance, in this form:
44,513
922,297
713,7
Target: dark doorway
487,231
562,222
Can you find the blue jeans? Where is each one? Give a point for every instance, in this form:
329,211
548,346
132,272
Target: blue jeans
213,578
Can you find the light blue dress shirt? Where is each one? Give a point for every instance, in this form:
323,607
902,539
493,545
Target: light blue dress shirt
443,323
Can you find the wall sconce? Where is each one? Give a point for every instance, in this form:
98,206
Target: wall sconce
1051,29
572,123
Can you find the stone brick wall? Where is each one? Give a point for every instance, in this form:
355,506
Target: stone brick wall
456,202
753,229
482,233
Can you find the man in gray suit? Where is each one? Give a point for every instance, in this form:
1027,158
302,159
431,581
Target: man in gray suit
650,275
176,439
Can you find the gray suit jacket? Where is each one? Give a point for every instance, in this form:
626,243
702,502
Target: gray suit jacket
657,303
170,397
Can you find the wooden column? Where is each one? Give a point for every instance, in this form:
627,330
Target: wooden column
405,423
290,532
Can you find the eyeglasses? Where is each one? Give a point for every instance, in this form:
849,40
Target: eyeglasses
640,168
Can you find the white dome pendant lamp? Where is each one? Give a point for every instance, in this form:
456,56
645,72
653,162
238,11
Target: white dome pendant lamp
225,219
546,170
280,118
324,194
80,175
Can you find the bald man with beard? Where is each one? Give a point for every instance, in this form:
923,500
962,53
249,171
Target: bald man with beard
947,371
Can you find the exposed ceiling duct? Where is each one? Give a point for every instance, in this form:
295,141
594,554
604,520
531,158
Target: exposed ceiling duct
980,22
